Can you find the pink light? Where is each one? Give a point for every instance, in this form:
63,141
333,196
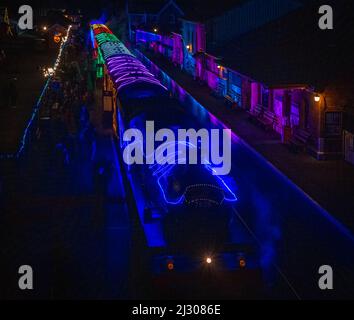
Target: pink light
125,69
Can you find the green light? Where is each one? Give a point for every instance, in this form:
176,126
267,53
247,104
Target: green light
100,59
106,37
99,73
99,65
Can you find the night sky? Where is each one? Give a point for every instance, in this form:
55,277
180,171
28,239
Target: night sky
93,9
89,8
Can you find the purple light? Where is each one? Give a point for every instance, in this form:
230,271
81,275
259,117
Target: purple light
126,70
142,81
123,67
161,171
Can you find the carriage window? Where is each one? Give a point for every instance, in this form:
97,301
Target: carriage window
333,123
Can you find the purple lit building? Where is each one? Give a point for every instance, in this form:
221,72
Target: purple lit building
254,63
306,90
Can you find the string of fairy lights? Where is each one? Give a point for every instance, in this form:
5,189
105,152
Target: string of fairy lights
49,73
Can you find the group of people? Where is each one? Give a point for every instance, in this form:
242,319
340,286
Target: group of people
66,102
69,100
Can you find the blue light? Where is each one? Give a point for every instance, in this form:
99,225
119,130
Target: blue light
101,20
179,201
125,70
163,170
37,106
29,124
34,113
92,38
234,198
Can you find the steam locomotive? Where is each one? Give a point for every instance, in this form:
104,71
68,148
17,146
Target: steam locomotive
186,211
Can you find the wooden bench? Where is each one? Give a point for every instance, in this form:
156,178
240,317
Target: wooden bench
267,120
299,140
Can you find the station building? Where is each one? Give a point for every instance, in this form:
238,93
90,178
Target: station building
272,60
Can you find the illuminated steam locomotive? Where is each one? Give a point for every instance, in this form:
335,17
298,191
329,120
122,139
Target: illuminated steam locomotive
185,210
